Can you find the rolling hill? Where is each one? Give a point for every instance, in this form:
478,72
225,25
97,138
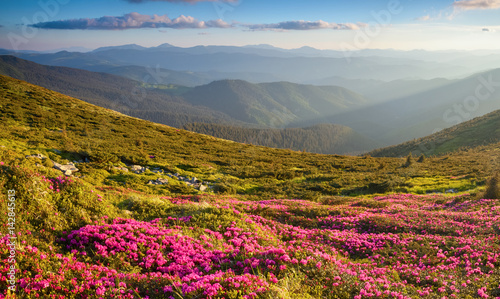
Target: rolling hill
274,104
229,102
484,130
124,95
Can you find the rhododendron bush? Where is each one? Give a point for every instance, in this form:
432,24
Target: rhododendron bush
395,246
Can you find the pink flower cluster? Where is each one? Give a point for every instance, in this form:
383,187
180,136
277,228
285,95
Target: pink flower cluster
59,183
407,247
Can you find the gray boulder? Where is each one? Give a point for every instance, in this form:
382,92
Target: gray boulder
159,181
124,169
67,169
138,169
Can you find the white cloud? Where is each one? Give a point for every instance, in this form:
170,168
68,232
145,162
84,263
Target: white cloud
423,18
476,4
132,20
305,25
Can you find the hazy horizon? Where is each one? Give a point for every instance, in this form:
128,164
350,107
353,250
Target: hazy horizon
84,49
354,25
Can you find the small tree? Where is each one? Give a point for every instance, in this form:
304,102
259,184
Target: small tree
492,191
421,159
409,160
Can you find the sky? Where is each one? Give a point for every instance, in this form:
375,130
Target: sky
322,24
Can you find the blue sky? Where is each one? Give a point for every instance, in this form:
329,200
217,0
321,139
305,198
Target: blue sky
324,24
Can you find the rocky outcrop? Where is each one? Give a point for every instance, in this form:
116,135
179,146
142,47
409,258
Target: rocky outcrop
67,169
39,156
120,168
159,181
138,169
70,168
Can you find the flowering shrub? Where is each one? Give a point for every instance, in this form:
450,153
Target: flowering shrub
222,247
46,206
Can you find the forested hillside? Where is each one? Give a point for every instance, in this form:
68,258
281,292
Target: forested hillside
324,139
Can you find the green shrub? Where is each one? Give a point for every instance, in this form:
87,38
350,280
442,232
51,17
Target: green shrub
101,157
409,161
47,163
146,208
492,191
224,188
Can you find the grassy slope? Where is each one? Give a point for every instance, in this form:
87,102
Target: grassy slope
482,130
34,119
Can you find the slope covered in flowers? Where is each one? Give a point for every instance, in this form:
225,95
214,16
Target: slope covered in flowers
396,246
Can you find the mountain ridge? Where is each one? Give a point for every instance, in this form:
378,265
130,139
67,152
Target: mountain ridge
483,130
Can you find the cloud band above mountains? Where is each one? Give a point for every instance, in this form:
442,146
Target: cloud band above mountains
305,25
136,20
132,20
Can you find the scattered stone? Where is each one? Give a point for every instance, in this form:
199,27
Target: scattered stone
39,156
203,188
138,169
159,181
67,169
119,168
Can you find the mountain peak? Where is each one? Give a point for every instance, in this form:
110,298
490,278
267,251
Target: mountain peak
263,46
122,47
165,45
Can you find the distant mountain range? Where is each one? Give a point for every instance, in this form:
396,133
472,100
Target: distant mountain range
258,63
390,112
